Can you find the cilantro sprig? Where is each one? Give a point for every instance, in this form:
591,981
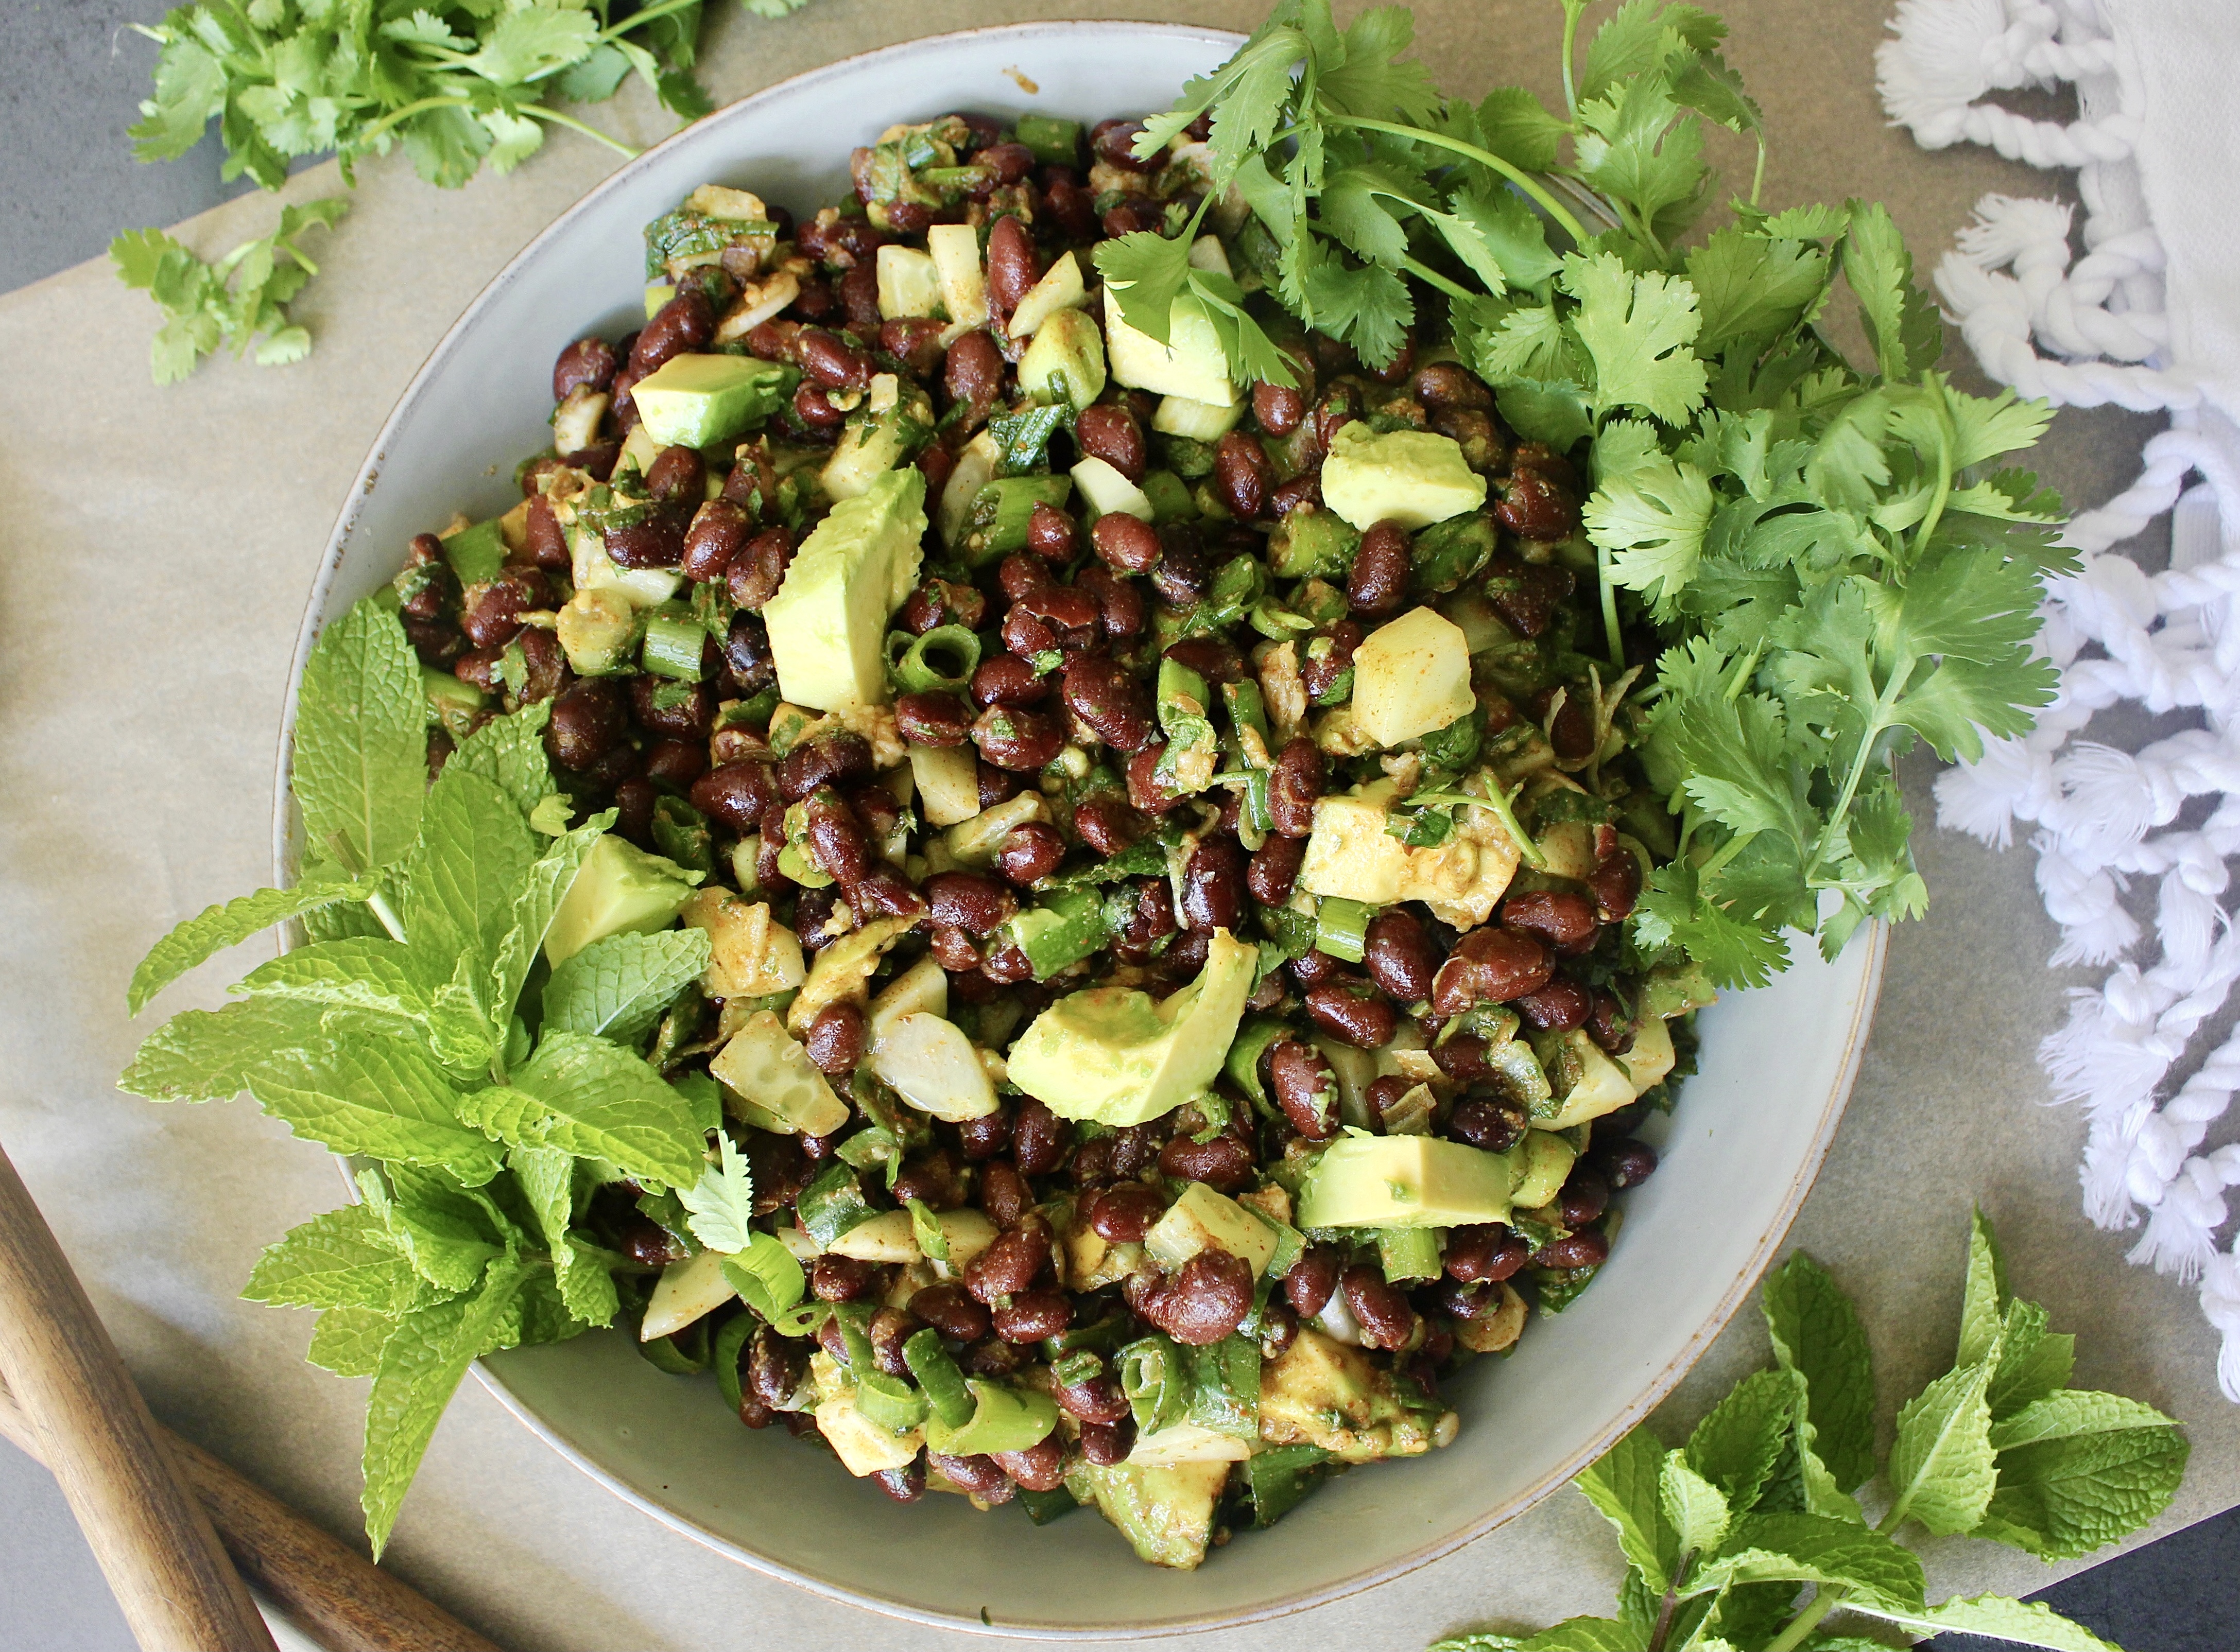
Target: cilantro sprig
1828,552
241,300
406,1033
1777,1491
457,86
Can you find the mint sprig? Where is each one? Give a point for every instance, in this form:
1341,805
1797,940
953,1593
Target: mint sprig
1722,1535
404,1039
1836,566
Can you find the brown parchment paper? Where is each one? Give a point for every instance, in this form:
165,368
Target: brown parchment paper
156,549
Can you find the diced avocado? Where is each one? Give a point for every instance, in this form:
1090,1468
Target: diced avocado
1169,497
1118,1057
827,623
620,889
1403,1181
879,438
1199,421
1165,1513
1203,1220
697,401
1060,288
452,703
1541,1161
1065,362
1651,1056
1323,1393
910,284
955,249
657,293
1309,543
1350,854
733,206
779,1087
1105,491
1413,477
599,631
1191,363
1411,675
1675,988
1587,1082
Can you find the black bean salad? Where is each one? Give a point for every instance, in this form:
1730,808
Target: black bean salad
1163,845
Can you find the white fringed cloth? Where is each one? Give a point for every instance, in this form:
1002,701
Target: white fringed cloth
2147,319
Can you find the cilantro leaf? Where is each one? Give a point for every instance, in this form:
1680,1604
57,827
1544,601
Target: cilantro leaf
1145,272
1636,330
1517,127
1639,35
361,745
240,300
722,1203
1901,321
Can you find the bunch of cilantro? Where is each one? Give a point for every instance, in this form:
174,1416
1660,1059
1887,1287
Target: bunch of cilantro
401,1035
457,84
1831,564
1722,1536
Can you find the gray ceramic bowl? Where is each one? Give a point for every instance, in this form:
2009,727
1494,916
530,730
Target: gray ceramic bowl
1743,1147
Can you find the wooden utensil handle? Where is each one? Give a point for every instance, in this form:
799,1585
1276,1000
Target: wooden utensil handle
333,1593
177,1590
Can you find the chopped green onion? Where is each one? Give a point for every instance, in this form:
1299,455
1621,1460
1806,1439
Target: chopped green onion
937,1375
1006,1419
888,1402
1342,927
832,1205
673,644
943,658
1156,1380
1055,142
1408,1253
730,1342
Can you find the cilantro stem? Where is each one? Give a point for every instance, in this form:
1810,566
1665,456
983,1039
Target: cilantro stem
387,914
418,106
649,14
1515,174
1884,703
1742,671
1502,805
1424,272
1573,10
1610,608
537,111
1725,852
1758,172
1944,438
1824,1601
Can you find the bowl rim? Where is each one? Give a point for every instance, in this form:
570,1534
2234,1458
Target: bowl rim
1652,1394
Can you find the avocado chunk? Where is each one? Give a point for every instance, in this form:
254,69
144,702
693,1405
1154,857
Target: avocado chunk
1066,361
1191,363
1411,676
1323,1393
696,401
620,889
880,435
1404,1181
1587,1082
1651,1057
1205,1220
1541,1162
1413,477
910,284
1165,1513
827,623
1117,1057
1351,855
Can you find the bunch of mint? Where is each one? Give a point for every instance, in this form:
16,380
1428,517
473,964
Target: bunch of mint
1824,549
457,85
394,1036
1723,1534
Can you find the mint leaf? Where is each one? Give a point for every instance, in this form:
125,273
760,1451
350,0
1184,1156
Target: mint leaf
722,1203
420,1368
207,1055
1636,331
2072,1412
377,976
1626,1484
1997,1618
509,752
618,988
348,1340
361,748
1941,1469
2066,1494
474,851
1817,1334
547,1179
587,1289
1984,1308
2033,1362
1694,1507
343,1259
1739,1442
216,928
1812,1548
378,1097
535,903
445,1248
596,1100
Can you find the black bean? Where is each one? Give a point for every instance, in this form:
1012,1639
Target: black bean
1399,955
1378,582
1305,1088
718,528
588,361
